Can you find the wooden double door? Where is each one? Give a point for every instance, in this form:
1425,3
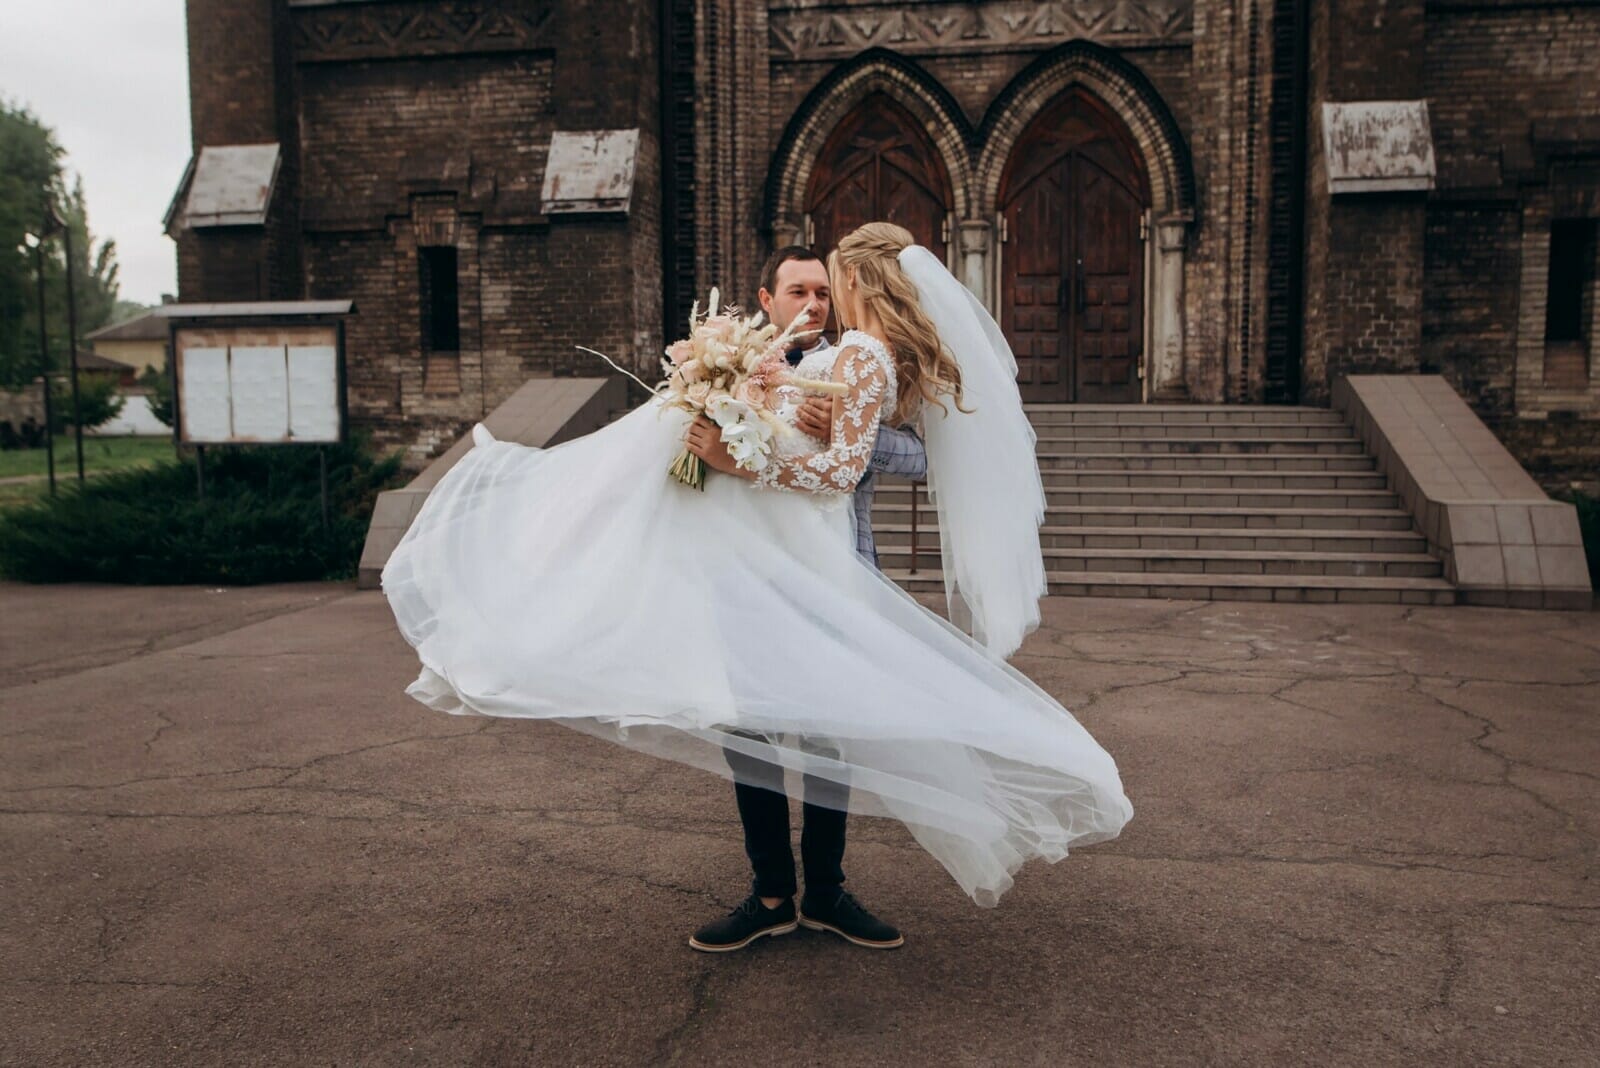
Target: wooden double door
1072,202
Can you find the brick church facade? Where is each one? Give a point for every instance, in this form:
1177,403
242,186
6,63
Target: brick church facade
1152,196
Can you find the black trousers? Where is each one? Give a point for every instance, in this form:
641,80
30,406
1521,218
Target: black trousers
764,810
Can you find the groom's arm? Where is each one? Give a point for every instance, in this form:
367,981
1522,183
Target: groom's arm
899,451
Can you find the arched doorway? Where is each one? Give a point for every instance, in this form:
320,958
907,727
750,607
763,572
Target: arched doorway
1072,198
878,164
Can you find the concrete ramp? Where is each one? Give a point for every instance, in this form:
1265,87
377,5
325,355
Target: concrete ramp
1504,540
544,412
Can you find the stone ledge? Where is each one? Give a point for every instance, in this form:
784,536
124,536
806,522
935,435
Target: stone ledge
542,413
1503,540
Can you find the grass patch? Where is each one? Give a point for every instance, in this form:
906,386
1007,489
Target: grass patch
99,454
260,521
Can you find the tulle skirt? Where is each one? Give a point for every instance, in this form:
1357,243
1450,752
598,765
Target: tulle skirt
582,585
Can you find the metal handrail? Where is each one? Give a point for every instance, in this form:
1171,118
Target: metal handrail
915,510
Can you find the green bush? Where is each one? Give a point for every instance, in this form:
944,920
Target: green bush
1589,523
260,521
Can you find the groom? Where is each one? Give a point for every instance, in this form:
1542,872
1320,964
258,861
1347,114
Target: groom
792,278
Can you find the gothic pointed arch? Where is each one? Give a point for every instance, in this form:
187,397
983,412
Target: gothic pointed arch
875,92
879,164
1123,88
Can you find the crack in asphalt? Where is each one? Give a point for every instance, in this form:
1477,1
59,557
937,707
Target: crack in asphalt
1288,663
291,770
670,1046
1315,862
158,643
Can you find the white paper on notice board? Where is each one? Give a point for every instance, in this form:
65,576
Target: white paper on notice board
313,393
206,413
260,381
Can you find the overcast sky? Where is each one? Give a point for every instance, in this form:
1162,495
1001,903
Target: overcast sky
111,77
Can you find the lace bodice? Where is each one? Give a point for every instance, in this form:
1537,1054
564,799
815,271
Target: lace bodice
817,365
835,470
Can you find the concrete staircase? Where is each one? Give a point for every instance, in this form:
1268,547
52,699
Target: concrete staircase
1211,502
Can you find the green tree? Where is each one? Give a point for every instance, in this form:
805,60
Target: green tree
31,175
95,269
159,383
98,401
30,170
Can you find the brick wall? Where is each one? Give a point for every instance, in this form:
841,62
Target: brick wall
408,125
1470,291
375,133
1364,253
1514,103
234,80
241,92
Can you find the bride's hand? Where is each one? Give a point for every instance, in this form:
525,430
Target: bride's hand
815,417
704,439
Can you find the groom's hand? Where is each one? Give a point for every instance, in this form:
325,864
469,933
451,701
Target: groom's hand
704,439
816,418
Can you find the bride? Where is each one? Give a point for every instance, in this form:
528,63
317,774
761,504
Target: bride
583,585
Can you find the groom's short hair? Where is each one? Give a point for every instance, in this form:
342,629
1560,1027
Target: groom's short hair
769,273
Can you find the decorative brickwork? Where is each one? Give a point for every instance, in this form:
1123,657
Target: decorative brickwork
964,28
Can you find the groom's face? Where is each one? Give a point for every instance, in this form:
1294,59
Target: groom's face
798,283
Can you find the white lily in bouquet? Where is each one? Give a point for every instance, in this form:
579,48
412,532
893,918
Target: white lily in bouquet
729,369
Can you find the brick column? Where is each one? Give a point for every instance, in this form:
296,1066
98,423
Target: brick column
241,92
1364,252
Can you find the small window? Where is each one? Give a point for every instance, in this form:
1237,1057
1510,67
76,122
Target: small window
1568,305
441,317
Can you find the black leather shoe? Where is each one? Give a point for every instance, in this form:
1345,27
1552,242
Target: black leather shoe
744,925
842,914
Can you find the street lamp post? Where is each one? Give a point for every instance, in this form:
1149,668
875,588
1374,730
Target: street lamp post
72,330
33,243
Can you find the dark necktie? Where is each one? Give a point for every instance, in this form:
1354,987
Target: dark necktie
795,356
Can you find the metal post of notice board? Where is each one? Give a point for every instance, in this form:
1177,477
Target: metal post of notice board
322,474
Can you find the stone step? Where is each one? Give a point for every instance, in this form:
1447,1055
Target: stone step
1212,461
1056,478
1149,414
1217,587
1213,562
1209,446
1189,496
1158,429
1182,517
898,535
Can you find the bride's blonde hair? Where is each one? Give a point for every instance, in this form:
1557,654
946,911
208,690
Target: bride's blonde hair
923,367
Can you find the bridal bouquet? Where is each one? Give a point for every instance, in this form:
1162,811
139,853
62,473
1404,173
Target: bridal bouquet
728,369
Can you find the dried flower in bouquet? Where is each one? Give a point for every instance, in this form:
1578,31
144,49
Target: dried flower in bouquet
729,369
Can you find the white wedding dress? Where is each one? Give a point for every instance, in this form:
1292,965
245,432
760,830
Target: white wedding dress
583,585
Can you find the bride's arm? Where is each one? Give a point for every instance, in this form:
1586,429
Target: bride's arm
836,469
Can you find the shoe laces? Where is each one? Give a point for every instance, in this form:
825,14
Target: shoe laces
750,906
846,901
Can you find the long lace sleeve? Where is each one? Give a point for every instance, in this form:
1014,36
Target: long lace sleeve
834,471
